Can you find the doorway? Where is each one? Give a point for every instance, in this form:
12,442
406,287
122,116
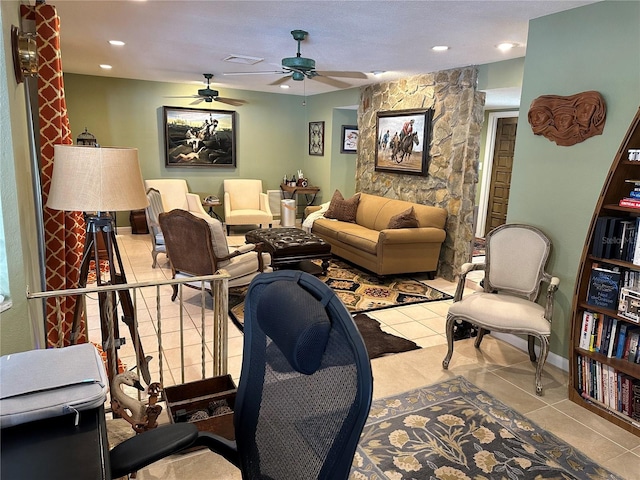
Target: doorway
496,175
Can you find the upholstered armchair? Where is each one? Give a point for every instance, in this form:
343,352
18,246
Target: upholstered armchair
175,194
152,212
516,257
197,247
245,203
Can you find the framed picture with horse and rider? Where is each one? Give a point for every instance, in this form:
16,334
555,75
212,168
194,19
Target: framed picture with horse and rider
403,140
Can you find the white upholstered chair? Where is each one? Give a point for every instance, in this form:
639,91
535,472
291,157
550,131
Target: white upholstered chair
516,257
199,247
152,212
245,203
175,194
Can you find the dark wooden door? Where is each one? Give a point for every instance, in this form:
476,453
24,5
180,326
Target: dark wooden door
501,172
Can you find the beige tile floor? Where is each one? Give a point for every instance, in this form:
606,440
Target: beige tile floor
499,368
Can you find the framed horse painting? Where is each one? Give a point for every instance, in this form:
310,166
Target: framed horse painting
199,137
403,138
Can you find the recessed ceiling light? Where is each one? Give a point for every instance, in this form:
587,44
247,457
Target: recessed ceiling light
116,43
440,48
104,66
505,47
284,86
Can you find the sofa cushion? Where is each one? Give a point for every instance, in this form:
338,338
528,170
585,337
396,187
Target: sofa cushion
406,219
341,209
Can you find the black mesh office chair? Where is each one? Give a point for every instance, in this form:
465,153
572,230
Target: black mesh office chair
304,392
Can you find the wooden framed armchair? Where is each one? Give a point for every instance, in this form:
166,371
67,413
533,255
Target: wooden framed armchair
516,257
199,247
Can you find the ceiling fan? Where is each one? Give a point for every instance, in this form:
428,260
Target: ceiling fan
299,68
210,95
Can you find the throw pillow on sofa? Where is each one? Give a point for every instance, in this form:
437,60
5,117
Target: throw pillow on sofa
406,219
341,209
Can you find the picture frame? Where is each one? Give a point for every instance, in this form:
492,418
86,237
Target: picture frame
394,154
199,138
316,138
349,139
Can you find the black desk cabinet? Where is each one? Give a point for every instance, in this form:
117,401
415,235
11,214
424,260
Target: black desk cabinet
54,448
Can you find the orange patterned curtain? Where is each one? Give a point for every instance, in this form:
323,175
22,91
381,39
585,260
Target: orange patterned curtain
64,232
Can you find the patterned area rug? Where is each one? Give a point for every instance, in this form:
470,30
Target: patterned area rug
455,431
360,291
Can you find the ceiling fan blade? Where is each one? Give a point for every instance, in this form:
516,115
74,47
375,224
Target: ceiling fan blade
274,72
280,81
330,81
199,100
184,96
343,74
230,101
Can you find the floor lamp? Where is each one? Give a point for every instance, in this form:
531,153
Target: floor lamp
99,180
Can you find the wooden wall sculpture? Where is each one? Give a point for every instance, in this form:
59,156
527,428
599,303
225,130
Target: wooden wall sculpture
568,120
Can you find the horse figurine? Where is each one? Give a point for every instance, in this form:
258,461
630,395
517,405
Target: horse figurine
141,416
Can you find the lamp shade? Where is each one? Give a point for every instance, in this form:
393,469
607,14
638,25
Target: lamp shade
88,179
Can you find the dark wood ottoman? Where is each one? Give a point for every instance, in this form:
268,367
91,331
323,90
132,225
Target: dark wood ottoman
289,247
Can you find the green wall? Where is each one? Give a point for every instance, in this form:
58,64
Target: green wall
18,247
556,188
271,130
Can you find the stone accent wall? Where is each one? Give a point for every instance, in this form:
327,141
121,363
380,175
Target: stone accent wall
455,147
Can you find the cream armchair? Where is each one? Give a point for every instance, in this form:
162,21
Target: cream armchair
175,194
245,203
199,247
516,257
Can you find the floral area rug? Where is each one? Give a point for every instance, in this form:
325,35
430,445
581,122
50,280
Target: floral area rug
455,431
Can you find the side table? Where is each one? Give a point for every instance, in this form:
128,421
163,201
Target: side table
309,193
210,206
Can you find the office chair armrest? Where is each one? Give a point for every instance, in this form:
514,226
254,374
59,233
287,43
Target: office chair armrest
551,292
220,445
149,447
464,269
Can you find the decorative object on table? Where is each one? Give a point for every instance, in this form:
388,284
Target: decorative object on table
103,180
567,120
199,138
349,139
316,138
138,413
86,139
403,141
453,429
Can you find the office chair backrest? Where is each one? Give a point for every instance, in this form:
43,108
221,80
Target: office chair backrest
516,256
188,242
306,384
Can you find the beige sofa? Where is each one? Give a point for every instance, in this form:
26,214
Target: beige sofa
370,244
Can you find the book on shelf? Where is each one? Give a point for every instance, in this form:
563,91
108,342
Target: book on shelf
633,346
611,339
622,339
629,304
604,287
585,330
629,202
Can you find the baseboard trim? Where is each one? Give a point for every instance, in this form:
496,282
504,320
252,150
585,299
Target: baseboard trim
521,344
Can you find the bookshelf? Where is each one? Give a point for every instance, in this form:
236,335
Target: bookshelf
594,371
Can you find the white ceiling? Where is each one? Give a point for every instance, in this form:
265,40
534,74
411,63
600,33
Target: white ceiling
177,41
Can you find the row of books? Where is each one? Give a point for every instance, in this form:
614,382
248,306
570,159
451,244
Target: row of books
615,288
617,238
610,337
616,390
633,199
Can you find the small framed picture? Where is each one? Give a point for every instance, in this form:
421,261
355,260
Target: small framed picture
349,139
316,138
